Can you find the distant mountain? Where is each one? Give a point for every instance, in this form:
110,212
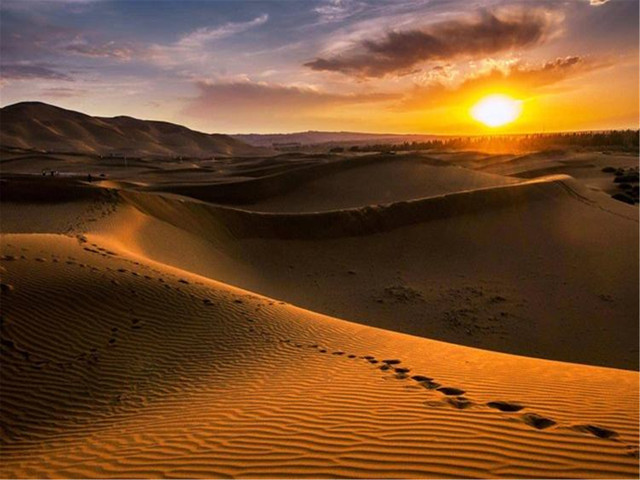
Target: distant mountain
39,126
318,138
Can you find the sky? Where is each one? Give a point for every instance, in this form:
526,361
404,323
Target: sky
404,66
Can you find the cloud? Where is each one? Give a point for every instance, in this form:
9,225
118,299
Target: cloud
191,49
30,72
22,6
25,38
31,38
204,35
109,49
338,10
246,104
62,92
399,51
247,94
597,3
518,78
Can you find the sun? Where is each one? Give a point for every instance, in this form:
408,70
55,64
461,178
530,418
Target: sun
496,110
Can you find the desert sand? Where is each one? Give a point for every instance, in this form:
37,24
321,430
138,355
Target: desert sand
306,316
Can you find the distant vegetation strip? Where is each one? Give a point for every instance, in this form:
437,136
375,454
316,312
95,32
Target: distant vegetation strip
625,140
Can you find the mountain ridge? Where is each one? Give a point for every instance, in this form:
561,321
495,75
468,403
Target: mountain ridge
318,137
41,126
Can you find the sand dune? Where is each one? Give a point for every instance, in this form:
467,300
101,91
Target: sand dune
585,166
165,373
371,180
129,351
525,272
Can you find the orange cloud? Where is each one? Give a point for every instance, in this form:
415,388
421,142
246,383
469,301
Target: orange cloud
232,103
519,79
246,94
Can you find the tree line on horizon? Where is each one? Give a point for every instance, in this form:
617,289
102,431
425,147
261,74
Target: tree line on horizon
626,140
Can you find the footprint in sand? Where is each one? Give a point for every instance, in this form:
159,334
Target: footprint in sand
505,406
6,288
537,421
599,432
430,385
451,391
426,382
391,362
460,403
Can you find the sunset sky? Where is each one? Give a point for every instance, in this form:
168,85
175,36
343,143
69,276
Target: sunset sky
357,65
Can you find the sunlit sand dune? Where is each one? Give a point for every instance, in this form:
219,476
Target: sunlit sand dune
118,366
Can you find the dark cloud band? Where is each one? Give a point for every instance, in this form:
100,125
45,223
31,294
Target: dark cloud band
28,72
399,51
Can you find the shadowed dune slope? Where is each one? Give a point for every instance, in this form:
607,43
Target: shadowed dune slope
526,269
116,366
365,220
324,184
